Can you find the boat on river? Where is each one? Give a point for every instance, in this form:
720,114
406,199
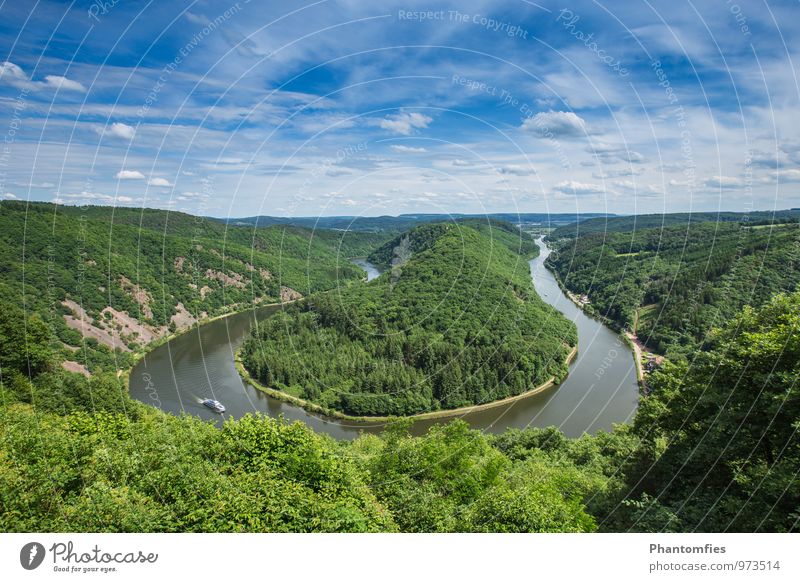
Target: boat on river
214,405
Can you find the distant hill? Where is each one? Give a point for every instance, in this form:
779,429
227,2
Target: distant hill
642,221
455,321
406,221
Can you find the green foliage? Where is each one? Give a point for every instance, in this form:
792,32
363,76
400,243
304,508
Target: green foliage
613,224
456,323
167,474
452,479
714,445
24,343
720,448
146,262
673,285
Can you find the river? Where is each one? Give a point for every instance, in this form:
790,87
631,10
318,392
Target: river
601,389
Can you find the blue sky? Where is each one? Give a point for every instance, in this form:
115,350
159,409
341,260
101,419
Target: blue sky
358,108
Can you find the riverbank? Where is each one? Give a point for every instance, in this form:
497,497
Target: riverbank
145,350
627,337
372,420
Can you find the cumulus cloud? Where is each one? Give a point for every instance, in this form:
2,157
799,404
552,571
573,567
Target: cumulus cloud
555,124
572,187
638,189
335,172
120,130
769,160
462,163
608,174
160,182
11,73
405,123
129,175
673,167
64,84
85,195
14,75
610,153
34,184
408,149
782,176
724,182
10,196
516,170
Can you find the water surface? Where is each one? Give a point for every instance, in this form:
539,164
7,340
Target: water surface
601,389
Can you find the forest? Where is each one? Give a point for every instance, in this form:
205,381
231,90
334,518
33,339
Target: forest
613,223
454,321
672,286
139,274
713,447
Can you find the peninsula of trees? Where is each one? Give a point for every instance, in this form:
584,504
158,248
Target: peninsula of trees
453,321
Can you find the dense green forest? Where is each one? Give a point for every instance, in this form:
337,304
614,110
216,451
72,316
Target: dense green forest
672,285
685,219
454,321
714,447
134,275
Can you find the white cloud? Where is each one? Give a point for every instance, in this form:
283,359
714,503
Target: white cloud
516,170
10,73
335,172
724,182
572,187
607,174
129,175
462,163
554,124
408,149
10,196
34,184
609,153
120,130
196,18
14,75
405,123
64,84
673,167
160,182
782,176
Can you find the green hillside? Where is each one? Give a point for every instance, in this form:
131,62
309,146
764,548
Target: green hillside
612,224
120,278
455,321
713,447
672,285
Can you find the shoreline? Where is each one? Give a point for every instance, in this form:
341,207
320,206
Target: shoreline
157,343
636,351
372,420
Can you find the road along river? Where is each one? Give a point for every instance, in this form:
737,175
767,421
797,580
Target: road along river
601,389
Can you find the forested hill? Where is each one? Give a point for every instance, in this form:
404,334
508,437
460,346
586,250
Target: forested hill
684,219
498,231
455,321
671,286
108,281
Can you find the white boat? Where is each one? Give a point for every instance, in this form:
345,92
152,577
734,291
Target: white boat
214,405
